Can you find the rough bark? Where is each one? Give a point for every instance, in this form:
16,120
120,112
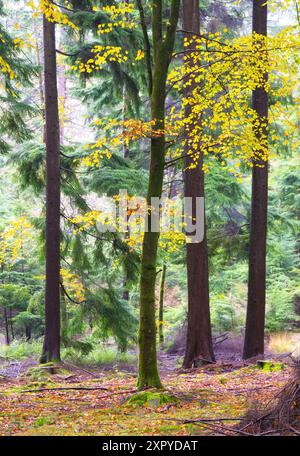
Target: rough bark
51,347
162,50
255,320
199,347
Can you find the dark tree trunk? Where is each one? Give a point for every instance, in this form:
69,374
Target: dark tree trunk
51,348
28,333
6,326
255,321
199,348
11,324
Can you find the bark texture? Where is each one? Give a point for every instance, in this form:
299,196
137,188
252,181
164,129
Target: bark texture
163,44
199,347
255,320
51,347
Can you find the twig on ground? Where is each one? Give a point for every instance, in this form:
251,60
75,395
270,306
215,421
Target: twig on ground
84,388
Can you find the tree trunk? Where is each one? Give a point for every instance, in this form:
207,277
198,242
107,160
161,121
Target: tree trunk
161,305
162,50
199,348
28,333
11,324
148,371
64,318
51,348
255,320
7,339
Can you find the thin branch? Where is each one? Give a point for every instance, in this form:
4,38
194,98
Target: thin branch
76,388
68,296
68,9
67,54
172,24
147,45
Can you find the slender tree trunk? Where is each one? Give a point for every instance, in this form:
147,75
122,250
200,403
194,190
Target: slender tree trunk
11,324
28,333
161,304
7,338
199,348
51,348
255,321
126,156
64,318
148,371
162,49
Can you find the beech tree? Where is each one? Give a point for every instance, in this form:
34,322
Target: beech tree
255,320
163,45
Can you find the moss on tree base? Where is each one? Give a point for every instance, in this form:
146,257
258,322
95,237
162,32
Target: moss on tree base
43,372
152,399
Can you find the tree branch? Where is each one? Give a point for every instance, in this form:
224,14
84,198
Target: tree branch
146,43
172,25
67,54
156,22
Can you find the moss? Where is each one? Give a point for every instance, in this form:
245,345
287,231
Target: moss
270,366
152,399
42,421
43,372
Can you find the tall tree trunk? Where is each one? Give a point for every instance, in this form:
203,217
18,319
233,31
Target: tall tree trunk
51,348
126,156
255,321
199,348
161,304
162,50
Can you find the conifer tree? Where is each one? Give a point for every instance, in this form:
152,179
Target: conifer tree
51,347
15,74
255,321
199,340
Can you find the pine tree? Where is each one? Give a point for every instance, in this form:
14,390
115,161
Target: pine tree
199,340
255,321
51,347
15,74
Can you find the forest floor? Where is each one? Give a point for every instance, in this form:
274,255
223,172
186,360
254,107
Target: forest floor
94,401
